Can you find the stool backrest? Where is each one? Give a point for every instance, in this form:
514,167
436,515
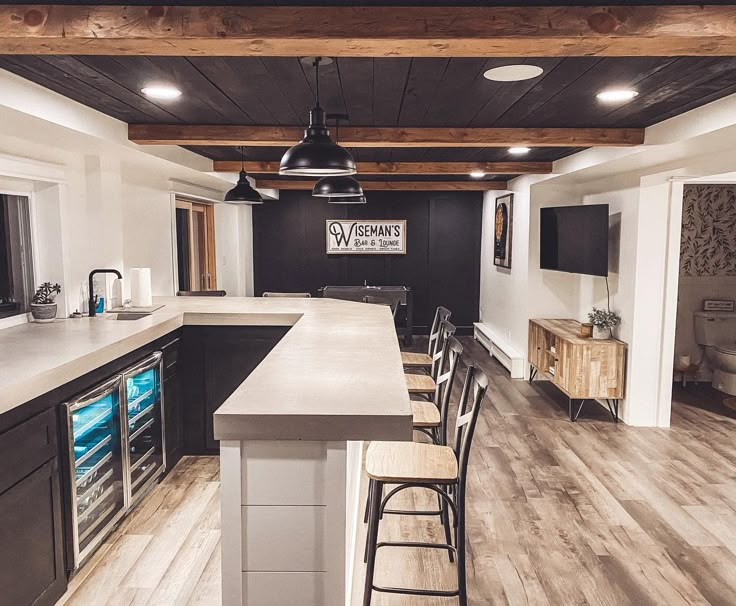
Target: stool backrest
440,315
474,390
201,293
448,369
444,332
289,295
378,300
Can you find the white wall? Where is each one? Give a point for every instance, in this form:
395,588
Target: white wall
100,201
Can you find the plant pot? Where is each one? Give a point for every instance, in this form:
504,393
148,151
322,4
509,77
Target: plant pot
601,332
43,312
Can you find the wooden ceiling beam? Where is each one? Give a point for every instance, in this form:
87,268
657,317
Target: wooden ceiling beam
357,136
391,185
533,31
404,168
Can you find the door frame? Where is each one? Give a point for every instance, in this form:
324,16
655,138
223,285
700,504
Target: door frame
208,212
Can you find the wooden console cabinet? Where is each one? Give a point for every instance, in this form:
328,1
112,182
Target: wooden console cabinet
582,368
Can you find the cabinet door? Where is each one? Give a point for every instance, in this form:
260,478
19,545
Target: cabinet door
31,540
173,420
536,347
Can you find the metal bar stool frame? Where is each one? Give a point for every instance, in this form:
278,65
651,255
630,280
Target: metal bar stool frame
452,493
445,331
441,314
451,361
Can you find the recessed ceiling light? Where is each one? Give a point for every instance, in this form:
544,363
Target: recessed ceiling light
160,91
513,73
519,151
477,174
618,95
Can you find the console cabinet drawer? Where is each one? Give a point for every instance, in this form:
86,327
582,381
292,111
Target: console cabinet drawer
26,447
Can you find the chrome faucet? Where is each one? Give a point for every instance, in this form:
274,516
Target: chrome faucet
92,296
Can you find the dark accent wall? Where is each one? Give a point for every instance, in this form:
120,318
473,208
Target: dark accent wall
442,264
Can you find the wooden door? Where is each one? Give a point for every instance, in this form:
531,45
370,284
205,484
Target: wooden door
195,238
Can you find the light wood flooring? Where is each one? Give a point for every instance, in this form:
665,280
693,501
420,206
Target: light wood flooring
559,513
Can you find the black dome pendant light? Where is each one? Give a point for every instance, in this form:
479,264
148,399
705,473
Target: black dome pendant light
347,200
243,192
316,155
338,186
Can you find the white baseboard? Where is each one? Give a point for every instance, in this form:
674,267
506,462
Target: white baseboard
500,349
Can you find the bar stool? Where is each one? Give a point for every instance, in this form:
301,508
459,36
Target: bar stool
288,295
440,469
423,385
421,361
430,418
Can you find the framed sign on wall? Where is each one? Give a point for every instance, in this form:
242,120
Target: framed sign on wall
365,237
504,221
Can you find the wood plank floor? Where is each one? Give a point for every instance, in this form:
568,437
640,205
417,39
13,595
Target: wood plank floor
558,514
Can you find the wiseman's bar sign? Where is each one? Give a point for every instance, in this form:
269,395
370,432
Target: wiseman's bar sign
346,237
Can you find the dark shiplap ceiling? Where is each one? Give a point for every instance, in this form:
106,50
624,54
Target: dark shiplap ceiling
385,92
389,2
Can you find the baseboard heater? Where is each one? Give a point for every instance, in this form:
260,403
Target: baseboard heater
500,349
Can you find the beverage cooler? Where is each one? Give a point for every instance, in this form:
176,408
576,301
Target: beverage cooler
143,430
116,451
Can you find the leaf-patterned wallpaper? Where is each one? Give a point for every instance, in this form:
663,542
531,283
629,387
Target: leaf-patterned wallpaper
708,244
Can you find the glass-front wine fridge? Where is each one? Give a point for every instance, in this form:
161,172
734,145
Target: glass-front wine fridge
115,435
97,469
144,436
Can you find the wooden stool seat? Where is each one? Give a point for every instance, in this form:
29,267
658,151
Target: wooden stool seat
420,384
425,414
398,462
409,358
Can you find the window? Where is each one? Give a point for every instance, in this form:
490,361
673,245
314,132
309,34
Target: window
195,246
16,260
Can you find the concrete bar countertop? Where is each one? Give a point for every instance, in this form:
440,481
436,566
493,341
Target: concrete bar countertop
336,375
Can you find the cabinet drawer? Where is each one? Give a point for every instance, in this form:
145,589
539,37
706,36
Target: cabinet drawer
26,447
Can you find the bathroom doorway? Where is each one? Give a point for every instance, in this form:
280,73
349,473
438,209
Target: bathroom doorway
704,372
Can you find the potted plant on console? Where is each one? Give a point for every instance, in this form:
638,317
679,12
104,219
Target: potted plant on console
603,322
43,305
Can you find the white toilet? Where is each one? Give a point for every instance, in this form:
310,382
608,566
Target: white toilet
715,331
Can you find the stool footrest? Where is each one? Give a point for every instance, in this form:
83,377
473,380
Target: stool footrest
411,512
446,546
440,593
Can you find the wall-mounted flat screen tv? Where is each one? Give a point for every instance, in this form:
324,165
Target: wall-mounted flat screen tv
574,239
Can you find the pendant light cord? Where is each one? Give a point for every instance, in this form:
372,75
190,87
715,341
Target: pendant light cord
316,70
242,158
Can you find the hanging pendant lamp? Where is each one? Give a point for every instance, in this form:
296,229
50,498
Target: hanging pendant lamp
338,186
243,192
347,200
316,155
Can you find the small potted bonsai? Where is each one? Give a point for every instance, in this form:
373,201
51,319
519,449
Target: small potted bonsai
43,305
603,322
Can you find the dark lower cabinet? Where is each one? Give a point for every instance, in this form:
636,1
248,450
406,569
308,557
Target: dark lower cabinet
32,570
214,361
173,423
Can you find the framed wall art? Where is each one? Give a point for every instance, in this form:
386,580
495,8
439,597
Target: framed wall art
503,229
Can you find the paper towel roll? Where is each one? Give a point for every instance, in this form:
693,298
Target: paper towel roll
140,287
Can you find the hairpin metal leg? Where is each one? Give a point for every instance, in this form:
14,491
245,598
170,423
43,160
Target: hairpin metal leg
532,373
613,408
574,414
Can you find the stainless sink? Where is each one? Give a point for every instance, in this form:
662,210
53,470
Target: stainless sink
126,316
